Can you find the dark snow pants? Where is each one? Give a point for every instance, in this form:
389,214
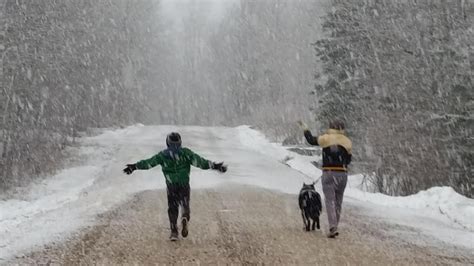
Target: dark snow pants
334,184
178,195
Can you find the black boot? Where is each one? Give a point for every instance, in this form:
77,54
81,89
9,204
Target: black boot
174,233
184,230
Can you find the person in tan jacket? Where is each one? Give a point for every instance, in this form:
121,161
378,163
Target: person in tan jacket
337,155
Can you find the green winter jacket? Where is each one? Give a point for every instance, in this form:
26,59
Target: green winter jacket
175,166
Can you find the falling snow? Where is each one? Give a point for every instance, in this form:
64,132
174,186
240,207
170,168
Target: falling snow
398,73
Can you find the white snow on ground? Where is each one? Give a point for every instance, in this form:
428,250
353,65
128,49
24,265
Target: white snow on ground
439,201
257,141
52,194
71,199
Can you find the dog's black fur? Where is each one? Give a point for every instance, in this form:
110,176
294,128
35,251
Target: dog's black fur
310,205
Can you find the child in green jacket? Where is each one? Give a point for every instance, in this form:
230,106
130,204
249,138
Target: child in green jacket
176,164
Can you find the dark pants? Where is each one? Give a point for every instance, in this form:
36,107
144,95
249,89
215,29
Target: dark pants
334,184
178,195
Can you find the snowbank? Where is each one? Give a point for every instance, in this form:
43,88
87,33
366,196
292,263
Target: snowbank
61,189
441,201
257,141
28,219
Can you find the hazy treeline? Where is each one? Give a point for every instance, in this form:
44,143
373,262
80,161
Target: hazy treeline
401,74
67,65
269,80
253,64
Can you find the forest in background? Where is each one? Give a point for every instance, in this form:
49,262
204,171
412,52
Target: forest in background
398,72
67,66
71,65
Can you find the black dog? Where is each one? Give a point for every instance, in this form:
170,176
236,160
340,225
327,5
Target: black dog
310,205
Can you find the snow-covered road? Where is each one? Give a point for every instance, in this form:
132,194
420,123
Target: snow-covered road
95,183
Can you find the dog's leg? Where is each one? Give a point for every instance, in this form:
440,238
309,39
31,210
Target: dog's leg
317,223
304,220
308,222
313,225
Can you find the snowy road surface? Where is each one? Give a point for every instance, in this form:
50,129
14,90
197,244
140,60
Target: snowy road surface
94,195
236,225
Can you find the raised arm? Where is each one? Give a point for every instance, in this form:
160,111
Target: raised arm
307,134
310,138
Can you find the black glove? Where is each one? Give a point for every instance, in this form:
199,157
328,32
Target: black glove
219,167
130,168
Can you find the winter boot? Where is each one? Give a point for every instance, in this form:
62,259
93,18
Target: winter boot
184,230
174,233
333,232
174,236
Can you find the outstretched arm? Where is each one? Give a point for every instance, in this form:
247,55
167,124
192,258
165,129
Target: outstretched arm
203,163
150,163
144,164
198,161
